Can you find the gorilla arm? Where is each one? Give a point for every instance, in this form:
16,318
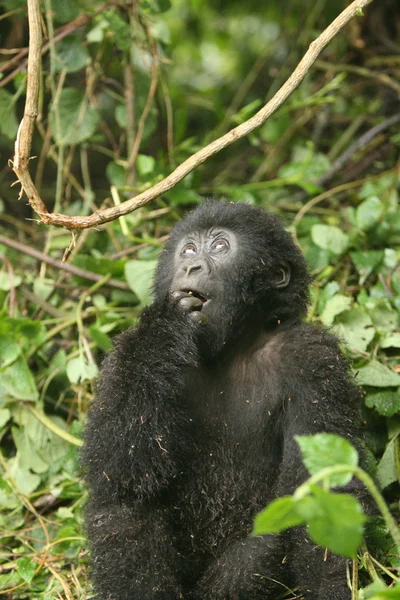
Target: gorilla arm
134,435
135,425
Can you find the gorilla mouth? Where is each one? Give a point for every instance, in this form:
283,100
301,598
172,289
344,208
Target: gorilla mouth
197,294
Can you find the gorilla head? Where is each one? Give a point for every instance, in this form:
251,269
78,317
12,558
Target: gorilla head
240,266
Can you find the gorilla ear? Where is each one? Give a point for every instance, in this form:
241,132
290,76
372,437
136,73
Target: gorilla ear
283,275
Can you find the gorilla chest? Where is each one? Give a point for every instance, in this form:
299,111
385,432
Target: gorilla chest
235,453
235,404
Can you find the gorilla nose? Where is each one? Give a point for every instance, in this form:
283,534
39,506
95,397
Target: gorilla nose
194,268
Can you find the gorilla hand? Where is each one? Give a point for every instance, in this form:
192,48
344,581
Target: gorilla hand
190,305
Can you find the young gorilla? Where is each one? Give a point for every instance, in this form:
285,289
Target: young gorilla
191,433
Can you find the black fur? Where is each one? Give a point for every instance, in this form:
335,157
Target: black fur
191,433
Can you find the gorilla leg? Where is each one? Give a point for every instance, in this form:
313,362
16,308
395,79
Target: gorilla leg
133,557
250,569
319,574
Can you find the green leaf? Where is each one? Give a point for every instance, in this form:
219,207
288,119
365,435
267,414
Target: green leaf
327,450
139,275
100,265
43,288
26,481
64,12
26,568
8,281
379,591
8,499
79,370
98,32
338,522
9,352
272,131
368,213
100,338
29,329
279,515
387,470
334,307
77,119
71,55
5,416
116,174
386,403
8,120
330,238
383,316
18,381
366,262
162,5
376,374
355,328
122,31
145,164
391,341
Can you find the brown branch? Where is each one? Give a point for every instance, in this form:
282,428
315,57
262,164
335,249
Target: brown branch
26,128
109,214
120,285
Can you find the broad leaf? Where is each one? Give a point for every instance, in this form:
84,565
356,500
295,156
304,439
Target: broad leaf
79,370
8,120
139,275
334,307
71,55
386,403
279,515
355,328
18,381
77,119
338,522
26,568
366,262
387,471
327,450
377,375
330,238
368,213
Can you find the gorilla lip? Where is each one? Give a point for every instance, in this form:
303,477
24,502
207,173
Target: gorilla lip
197,294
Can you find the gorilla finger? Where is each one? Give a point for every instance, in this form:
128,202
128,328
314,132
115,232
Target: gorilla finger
177,295
190,303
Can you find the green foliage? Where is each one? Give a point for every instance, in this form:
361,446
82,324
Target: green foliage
55,326
330,238
139,275
73,120
334,521
8,120
327,450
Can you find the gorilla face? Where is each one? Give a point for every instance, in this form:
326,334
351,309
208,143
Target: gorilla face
202,262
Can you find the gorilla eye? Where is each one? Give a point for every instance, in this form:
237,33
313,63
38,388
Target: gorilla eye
189,250
220,245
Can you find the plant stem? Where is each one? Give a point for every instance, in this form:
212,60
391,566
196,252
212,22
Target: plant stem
369,484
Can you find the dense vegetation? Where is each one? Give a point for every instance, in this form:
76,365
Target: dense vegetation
130,90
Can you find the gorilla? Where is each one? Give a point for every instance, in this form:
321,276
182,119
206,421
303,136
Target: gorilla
192,429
